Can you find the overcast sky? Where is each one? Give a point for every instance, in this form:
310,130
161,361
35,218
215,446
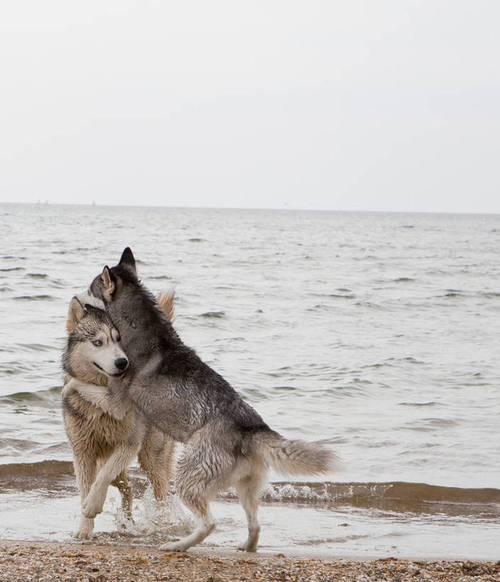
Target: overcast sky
363,105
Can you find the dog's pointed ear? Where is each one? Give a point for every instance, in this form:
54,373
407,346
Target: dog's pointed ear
108,283
89,308
127,260
75,313
166,302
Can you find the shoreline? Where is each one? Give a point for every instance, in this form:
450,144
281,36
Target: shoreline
50,561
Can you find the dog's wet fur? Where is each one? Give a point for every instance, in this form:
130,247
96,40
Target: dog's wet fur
105,440
227,443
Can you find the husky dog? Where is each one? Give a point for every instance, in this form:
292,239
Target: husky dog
226,441
105,437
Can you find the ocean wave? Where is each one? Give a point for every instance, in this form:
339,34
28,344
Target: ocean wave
319,307
490,294
41,297
340,295
12,368
430,403
400,497
36,347
48,475
213,314
42,398
454,293
370,305
406,359
430,424
396,496
393,362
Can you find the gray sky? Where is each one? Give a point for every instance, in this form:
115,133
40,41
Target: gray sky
369,105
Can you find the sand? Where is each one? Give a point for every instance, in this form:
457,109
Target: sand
33,561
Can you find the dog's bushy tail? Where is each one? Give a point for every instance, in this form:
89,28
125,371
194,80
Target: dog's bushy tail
293,457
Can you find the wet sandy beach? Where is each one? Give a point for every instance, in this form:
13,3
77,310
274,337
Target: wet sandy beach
29,561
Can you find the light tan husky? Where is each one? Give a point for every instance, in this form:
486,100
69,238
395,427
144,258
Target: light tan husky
105,440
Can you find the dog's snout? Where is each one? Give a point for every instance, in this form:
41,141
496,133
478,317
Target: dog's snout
121,363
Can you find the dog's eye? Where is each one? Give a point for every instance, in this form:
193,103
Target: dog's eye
97,343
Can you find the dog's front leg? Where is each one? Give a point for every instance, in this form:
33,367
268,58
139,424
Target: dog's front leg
118,401
85,469
119,461
99,396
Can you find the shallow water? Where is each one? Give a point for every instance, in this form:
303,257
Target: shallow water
376,333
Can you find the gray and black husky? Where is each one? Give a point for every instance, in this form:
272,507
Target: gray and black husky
227,443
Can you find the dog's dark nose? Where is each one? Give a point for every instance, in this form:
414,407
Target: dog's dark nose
121,363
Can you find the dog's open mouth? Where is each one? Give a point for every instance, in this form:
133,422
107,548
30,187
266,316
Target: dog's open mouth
107,373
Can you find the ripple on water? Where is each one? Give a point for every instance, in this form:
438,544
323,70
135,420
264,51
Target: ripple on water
419,404
43,398
213,314
33,347
340,295
454,293
37,275
430,424
12,368
40,297
406,359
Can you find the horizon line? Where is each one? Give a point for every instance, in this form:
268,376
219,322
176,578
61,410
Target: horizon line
94,204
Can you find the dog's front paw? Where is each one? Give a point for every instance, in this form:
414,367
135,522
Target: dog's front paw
174,547
83,535
86,529
93,503
252,541
247,547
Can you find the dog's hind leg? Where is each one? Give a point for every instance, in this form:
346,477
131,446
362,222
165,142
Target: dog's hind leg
85,469
155,459
123,486
249,490
200,471
199,505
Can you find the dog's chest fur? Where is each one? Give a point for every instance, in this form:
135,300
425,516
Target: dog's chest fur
93,429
